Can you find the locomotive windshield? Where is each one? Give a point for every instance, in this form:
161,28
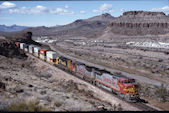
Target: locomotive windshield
129,81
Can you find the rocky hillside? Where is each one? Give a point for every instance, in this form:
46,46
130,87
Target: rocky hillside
91,27
7,44
139,23
8,49
131,23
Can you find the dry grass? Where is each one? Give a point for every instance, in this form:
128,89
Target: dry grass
157,103
31,106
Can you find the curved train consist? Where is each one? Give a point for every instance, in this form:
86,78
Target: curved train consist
123,86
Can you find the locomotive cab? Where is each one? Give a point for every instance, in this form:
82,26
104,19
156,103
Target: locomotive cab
129,88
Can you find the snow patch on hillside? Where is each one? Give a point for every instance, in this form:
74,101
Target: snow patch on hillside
154,44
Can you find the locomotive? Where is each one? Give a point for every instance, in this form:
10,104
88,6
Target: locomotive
119,84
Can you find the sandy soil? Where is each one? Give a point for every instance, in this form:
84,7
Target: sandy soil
34,79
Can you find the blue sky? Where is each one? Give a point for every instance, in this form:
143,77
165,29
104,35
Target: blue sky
51,13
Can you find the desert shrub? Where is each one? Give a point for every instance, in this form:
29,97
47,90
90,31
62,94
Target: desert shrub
30,106
119,107
145,90
160,60
58,103
139,87
162,93
166,52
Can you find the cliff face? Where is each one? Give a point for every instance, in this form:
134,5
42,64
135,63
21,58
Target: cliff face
140,23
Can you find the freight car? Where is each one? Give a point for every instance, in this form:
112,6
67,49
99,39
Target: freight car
43,54
51,57
31,49
124,86
36,51
26,47
22,46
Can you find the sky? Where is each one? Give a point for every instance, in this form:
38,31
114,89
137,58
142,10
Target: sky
51,13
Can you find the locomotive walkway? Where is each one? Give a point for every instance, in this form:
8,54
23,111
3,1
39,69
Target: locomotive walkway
137,77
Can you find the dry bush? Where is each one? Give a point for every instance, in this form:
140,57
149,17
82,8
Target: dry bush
58,103
31,106
117,107
162,93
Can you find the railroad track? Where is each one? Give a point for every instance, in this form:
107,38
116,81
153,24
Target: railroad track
137,77
122,53
140,105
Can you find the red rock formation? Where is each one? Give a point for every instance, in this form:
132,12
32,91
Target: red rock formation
140,23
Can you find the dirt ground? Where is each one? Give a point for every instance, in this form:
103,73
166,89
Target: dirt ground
157,103
150,64
32,79
153,65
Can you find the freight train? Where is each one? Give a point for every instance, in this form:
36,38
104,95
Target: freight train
119,84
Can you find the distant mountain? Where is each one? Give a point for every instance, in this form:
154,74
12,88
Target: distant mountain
103,17
92,27
131,23
13,28
134,23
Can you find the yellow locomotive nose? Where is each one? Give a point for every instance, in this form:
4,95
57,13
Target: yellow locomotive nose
131,90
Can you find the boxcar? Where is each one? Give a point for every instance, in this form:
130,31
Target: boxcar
43,54
31,48
51,56
22,45
26,46
36,51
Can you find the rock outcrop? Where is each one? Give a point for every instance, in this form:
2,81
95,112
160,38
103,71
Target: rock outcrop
25,37
140,23
8,47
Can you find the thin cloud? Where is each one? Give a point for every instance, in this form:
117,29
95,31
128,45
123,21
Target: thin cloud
61,11
82,12
40,10
162,9
104,8
28,10
66,6
7,5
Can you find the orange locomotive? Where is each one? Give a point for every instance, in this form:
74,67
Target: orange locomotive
124,86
